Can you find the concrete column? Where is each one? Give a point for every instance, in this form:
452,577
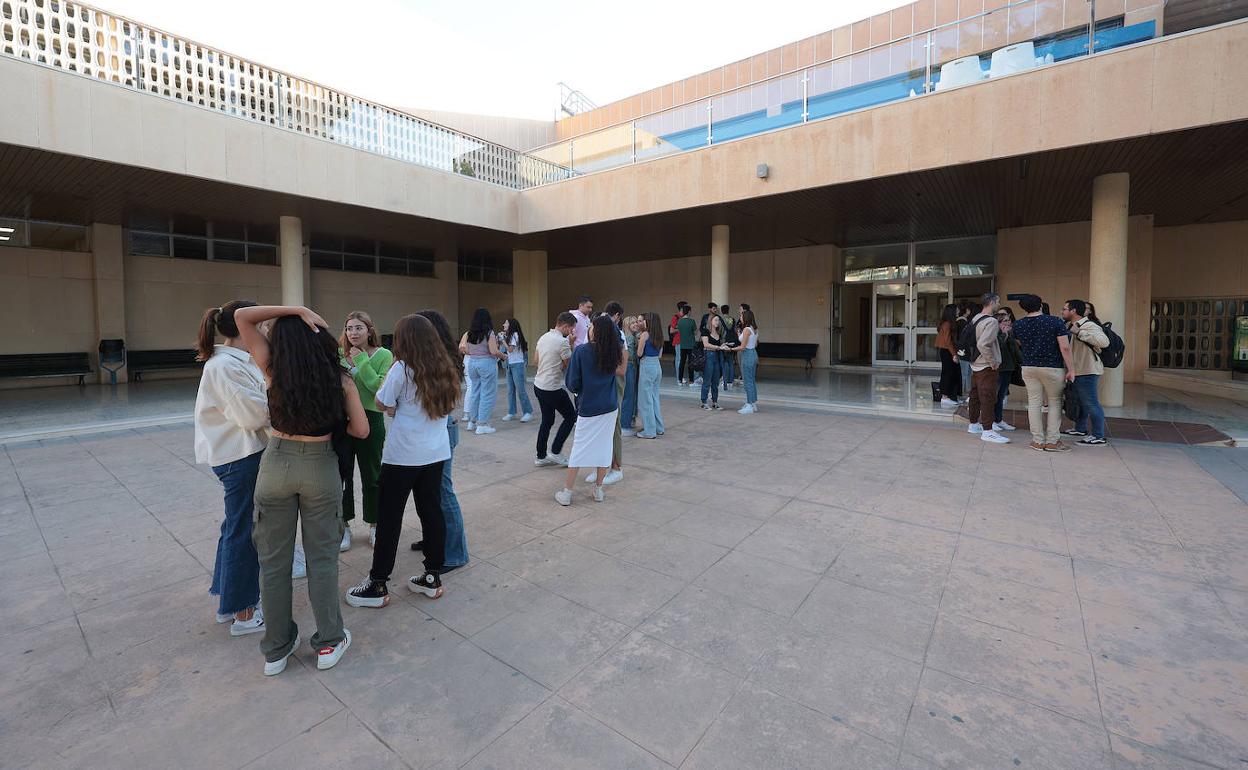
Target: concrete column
528,286
108,269
446,270
1107,268
719,264
294,261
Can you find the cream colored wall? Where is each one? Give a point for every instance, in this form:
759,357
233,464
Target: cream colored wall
385,298
47,305
1201,260
495,297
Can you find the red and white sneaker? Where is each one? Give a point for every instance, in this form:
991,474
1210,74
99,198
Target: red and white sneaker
328,657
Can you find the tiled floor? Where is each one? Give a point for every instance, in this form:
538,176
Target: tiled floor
791,589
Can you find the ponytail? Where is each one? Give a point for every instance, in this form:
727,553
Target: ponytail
217,320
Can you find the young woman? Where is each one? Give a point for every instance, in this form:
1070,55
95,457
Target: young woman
310,396
628,408
517,348
714,344
650,374
480,344
231,429
422,387
456,542
368,363
591,376
1011,366
947,345
747,330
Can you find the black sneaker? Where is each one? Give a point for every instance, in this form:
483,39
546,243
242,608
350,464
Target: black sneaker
419,545
704,406
1073,432
716,407
429,584
1093,441
369,593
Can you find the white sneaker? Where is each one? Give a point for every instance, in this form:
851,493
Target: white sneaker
948,403
300,568
508,417
975,428
485,430
226,618
244,627
345,545
599,494
613,476
466,417
543,462
593,476
526,417
372,537
681,383
747,409
994,437
1002,426
561,459
275,667
471,426
627,432
328,657
564,496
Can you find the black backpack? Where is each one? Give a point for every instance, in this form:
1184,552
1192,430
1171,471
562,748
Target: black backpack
1110,355
968,344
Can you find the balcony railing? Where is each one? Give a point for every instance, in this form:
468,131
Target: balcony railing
986,45
95,43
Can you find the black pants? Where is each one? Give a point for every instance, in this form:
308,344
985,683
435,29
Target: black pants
686,364
950,376
552,401
424,482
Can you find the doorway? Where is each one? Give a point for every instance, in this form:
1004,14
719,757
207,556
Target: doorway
906,315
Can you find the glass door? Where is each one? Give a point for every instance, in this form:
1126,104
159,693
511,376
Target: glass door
907,315
929,297
888,345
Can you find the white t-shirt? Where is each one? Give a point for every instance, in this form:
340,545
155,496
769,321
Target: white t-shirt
752,342
414,438
552,350
514,354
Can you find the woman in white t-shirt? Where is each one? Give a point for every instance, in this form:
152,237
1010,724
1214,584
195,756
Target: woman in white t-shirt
517,355
420,390
748,348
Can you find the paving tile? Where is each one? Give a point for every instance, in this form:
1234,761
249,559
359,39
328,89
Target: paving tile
558,736
868,617
547,559
492,535
1038,612
810,548
674,555
34,655
957,724
907,539
717,628
760,729
655,695
916,577
479,595
1023,565
339,743
1133,755
761,583
1016,530
603,532
714,525
117,582
619,590
385,643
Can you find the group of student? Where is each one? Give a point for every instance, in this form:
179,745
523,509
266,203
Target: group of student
984,349
706,352
283,414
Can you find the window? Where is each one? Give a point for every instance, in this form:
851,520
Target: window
1193,333
186,237
485,267
364,255
37,234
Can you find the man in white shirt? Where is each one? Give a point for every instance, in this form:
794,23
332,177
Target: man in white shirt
551,356
582,316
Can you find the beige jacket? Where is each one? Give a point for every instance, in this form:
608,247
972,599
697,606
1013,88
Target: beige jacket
986,341
1085,360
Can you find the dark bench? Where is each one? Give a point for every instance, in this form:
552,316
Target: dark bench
46,365
797,351
139,361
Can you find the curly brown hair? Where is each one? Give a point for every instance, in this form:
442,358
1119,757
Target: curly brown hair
419,347
305,379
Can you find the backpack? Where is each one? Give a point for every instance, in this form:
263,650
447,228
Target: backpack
968,345
1111,355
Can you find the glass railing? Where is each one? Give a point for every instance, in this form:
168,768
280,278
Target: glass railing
94,43
1013,38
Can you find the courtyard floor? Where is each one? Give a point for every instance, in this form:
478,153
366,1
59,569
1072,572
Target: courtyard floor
791,589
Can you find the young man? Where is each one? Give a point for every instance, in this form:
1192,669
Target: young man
674,334
730,338
583,314
984,371
1047,368
1088,340
551,356
688,331
615,311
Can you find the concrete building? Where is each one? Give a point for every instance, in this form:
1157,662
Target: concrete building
847,186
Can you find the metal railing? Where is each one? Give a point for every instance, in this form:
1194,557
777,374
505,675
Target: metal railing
94,43
899,69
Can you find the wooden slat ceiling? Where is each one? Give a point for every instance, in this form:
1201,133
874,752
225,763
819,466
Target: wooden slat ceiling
1184,15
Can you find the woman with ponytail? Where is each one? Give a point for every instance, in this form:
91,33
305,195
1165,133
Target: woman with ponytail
231,431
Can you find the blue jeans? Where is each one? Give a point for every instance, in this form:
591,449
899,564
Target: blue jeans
710,376
965,366
649,377
728,363
515,384
1003,390
236,571
676,348
1089,404
628,408
749,373
483,377
456,543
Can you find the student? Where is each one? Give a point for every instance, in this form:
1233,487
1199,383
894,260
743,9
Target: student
650,374
480,344
748,349
368,363
421,387
687,330
731,339
592,375
310,396
713,343
628,407
946,345
1011,362
552,354
615,311
231,430
1046,366
517,348
673,332
583,313
964,316
456,541
1088,339
983,325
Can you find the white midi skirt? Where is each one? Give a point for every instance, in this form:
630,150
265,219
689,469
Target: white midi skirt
592,439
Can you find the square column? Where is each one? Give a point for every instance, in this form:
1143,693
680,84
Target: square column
446,271
1107,266
719,264
528,286
294,261
108,269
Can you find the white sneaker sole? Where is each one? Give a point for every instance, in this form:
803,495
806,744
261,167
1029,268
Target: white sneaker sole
276,667
432,593
326,662
237,630
356,601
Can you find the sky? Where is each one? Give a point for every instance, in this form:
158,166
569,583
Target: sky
494,57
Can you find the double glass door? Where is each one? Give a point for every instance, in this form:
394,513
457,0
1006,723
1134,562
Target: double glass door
906,316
